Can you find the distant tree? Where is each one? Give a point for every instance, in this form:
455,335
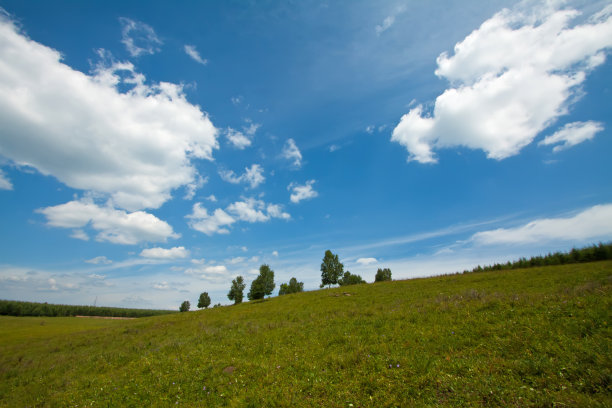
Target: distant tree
350,279
185,306
237,290
331,269
292,287
383,275
204,300
263,284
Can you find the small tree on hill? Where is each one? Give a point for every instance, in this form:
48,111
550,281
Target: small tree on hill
263,284
331,269
350,279
185,306
236,291
383,275
204,300
292,287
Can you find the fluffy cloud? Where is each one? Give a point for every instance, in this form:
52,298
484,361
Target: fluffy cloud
211,273
572,134
589,225
163,253
138,38
237,138
291,152
252,175
250,210
511,78
161,286
136,146
5,183
195,55
367,261
300,193
115,226
99,260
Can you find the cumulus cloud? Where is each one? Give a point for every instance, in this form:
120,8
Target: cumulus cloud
138,38
291,152
135,145
195,55
211,273
591,224
161,286
572,134
99,260
5,183
250,210
237,138
112,225
367,261
275,253
163,253
191,188
299,193
253,176
510,79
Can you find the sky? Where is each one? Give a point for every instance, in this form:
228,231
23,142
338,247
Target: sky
151,151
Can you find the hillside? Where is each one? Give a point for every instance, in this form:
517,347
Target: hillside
525,337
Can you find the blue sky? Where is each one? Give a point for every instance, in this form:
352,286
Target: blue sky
149,152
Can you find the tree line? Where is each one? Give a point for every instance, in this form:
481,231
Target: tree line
18,308
601,252
332,273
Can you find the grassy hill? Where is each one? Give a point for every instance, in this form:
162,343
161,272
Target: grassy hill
526,337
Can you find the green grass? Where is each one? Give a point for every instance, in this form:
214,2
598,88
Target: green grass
531,337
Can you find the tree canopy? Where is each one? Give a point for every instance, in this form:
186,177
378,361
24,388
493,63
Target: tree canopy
262,285
292,287
237,289
331,269
383,275
350,279
185,306
204,300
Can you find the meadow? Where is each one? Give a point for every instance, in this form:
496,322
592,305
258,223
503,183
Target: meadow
523,337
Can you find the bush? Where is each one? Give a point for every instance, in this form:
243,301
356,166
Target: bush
350,279
292,287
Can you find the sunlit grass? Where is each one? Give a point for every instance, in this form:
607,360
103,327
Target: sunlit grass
532,337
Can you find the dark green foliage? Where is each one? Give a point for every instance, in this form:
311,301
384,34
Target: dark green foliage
204,300
237,290
350,279
292,287
331,269
16,308
591,253
383,275
185,306
262,285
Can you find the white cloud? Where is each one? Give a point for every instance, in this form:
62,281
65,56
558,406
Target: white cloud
333,148
369,129
300,193
592,224
291,152
510,79
82,130
252,175
237,100
252,127
139,38
250,210
572,134
366,261
195,55
99,260
212,198
79,234
5,183
162,253
237,260
275,253
161,286
212,273
115,226
389,20
191,188
237,138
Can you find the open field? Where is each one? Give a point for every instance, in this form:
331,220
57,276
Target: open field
526,337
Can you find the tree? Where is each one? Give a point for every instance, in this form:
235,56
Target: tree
185,306
204,300
263,284
383,275
236,291
350,279
292,287
331,269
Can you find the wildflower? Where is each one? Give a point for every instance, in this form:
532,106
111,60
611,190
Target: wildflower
398,366
204,388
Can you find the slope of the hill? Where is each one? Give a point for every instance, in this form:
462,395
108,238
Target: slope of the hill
530,337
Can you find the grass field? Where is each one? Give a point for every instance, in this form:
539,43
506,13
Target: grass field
529,337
